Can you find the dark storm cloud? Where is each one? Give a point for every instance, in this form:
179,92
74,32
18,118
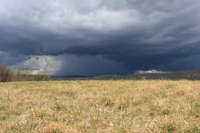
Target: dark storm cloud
11,59
133,34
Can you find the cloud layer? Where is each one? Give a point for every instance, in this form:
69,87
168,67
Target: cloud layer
95,37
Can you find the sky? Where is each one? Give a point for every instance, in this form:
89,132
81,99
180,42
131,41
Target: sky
97,37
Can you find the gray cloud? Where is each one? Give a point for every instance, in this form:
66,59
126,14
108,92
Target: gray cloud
130,35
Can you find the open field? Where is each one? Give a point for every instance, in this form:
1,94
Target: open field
100,106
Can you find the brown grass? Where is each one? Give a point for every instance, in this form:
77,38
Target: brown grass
100,106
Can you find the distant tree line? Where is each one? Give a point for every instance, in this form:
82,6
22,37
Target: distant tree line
188,75
22,74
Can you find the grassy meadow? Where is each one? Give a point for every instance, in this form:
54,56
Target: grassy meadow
100,106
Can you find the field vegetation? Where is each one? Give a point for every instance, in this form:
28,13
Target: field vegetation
100,106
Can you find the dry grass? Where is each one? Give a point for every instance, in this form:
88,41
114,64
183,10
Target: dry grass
100,106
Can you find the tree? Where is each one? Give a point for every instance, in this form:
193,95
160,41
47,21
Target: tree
43,76
5,73
22,74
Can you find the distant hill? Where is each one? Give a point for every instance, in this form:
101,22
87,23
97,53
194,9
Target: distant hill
189,75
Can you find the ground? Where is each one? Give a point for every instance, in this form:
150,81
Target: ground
100,106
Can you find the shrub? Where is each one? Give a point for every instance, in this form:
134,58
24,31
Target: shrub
43,76
144,78
22,74
5,73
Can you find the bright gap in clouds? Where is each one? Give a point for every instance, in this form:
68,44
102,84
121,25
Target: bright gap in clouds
40,63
